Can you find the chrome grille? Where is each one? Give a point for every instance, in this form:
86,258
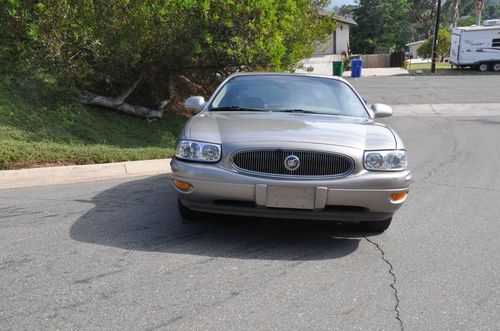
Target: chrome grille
271,162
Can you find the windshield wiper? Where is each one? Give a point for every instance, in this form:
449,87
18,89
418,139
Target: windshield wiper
303,111
235,108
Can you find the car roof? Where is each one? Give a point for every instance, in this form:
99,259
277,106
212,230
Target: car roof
284,74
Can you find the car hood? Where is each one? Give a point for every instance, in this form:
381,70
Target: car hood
234,127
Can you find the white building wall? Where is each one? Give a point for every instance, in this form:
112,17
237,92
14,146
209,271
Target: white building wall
341,38
413,50
325,48
342,34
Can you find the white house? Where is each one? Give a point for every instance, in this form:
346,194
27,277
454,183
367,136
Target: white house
412,48
338,41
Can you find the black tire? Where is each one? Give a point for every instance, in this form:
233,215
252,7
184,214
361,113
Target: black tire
376,226
483,67
187,214
496,67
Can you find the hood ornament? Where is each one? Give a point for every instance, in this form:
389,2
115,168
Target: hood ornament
292,162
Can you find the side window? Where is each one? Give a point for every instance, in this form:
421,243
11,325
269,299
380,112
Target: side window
496,42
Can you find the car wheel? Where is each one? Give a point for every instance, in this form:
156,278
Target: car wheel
496,67
187,214
376,226
483,67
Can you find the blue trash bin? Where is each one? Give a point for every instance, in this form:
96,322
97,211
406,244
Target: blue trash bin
356,67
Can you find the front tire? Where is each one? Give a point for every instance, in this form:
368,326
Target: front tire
496,67
376,226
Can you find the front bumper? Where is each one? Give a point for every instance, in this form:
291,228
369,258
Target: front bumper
364,196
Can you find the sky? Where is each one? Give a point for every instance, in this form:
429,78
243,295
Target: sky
341,2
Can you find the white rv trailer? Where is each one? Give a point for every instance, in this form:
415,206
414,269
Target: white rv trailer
477,46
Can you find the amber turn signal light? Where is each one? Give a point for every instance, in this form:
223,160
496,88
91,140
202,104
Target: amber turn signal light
399,196
182,185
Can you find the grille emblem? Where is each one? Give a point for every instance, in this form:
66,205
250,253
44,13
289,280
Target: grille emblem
292,162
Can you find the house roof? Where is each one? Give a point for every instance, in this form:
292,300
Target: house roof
346,20
342,19
415,43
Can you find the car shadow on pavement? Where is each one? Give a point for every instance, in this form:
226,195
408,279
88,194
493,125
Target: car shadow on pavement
142,215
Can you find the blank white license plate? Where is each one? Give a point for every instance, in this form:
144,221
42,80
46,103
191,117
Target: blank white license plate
290,197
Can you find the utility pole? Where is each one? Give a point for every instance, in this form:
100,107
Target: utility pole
435,41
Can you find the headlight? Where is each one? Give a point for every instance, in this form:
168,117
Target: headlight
198,151
385,160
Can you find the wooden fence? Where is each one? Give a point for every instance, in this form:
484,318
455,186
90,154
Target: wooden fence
376,60
369,61
395,59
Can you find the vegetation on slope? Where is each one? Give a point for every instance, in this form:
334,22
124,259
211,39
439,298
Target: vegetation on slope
41,123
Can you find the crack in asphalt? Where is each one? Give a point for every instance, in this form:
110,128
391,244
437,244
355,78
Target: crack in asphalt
394,281
453,158
453,150
434,110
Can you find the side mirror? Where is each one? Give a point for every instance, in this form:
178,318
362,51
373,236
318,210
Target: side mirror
381,110
195,103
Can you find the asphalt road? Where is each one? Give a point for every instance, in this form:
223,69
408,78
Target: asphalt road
430,90
115,255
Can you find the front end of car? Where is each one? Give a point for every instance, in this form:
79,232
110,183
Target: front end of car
329,182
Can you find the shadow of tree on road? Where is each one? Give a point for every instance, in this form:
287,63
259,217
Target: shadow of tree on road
142,215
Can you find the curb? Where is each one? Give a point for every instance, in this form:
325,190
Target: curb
81,173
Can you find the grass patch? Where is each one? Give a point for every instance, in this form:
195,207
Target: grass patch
444,69
42,124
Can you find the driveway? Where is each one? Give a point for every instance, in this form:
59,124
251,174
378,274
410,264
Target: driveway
114,254
322,65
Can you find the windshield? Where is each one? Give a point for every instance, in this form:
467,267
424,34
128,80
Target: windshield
283,93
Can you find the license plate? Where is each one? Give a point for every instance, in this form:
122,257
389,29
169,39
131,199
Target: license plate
290,197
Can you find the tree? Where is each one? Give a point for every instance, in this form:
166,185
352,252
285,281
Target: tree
383,25
479,10
456,13
455,9
345,10
128,55
387,25
443,45
421,18
492,10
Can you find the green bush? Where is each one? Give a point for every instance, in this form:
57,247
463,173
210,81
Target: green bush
41,124
103,46
443,45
